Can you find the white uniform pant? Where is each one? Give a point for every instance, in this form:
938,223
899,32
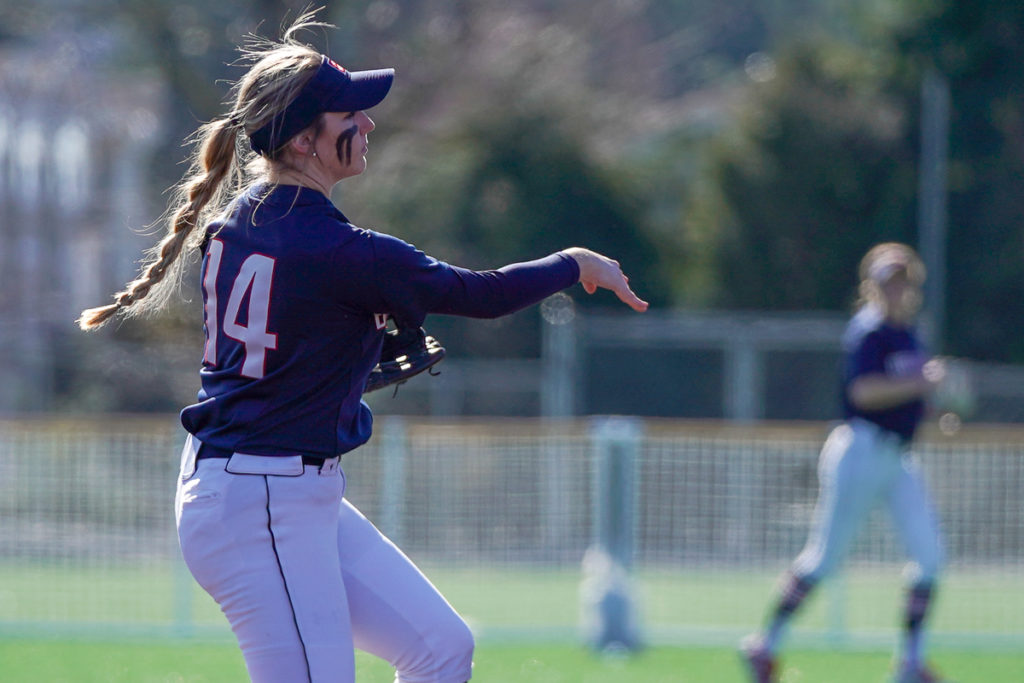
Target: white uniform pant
862,466
303,577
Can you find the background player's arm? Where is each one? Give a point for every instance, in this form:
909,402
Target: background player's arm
878,391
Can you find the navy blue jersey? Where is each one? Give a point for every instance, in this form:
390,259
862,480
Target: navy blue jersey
296,301
872,346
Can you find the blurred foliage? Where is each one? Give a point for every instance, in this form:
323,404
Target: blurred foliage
815,170
979,46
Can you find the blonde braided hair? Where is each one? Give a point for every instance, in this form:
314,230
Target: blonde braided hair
221,166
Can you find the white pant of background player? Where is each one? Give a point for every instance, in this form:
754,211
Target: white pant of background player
862,466
303,577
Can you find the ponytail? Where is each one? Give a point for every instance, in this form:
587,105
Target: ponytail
201,194
221,166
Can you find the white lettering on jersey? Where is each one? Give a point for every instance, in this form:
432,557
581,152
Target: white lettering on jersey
904,363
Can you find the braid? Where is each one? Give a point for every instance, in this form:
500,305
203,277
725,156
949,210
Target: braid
220,168
200,194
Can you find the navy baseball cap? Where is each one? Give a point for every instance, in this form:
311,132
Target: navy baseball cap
332,88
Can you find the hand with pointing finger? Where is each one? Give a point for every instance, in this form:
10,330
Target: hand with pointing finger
600,272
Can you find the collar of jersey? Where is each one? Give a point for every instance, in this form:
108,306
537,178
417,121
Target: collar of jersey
294,195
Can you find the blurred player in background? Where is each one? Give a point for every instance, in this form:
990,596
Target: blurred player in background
296,301
866,460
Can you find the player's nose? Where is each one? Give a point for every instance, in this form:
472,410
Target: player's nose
366,124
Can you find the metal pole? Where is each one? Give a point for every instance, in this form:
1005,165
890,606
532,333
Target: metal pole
935,105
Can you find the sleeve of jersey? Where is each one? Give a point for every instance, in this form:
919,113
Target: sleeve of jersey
416,284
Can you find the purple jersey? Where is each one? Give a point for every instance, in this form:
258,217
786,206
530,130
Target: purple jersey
872,346
296,300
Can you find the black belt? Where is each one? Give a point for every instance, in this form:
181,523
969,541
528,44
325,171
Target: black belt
208,451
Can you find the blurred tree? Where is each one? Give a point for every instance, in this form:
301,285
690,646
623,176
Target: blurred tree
979,46
191,44
533,190
817,169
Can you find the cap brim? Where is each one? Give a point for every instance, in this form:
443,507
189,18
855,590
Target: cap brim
366,89
882,272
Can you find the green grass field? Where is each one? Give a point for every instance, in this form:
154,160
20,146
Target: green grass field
33,661
111,625
972,604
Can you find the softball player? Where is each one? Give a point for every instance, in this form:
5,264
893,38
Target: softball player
296,300
866,460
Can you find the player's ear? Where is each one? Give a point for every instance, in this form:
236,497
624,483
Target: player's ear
303,144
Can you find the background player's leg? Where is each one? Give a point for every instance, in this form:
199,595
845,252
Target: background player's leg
264,547
917,523
793,591
848,488
851,479
854,471
397,614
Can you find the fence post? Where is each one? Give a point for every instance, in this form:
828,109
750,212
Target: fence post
744,381
182,581
836,629
393,447
558,390
606,592
557,404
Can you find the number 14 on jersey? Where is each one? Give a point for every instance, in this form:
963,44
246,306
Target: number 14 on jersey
255,278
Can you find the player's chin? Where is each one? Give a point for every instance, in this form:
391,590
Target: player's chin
355,168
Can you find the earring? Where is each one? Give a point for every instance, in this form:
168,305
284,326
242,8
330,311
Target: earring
314,153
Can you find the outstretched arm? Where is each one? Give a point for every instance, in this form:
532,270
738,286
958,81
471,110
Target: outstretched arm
598,271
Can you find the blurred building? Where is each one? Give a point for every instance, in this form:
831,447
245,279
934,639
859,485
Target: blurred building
75,136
